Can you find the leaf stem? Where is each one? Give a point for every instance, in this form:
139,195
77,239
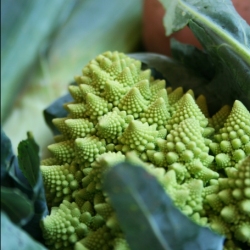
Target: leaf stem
239,48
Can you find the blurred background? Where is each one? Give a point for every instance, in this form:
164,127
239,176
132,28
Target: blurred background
46,43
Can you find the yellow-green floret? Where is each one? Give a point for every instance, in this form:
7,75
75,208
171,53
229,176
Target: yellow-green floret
121,113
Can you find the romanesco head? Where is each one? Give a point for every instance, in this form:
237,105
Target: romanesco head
121,113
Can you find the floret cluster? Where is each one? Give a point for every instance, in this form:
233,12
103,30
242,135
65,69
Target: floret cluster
121,113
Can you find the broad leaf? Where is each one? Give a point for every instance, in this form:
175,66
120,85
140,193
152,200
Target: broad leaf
17,205
225,36
193,58
219,16
147,215
13,237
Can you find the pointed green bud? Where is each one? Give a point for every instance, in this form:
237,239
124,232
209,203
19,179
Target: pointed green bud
133,103
156,86
63,151
144,89
88,148
202,104
79,128
175,95
77,110
96,106
76,93
156,113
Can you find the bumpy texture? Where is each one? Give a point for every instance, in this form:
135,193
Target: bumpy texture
121,112
230,201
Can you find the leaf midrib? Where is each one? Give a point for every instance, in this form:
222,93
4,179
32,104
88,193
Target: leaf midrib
240,49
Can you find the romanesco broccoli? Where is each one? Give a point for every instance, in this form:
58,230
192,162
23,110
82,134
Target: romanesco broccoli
121,112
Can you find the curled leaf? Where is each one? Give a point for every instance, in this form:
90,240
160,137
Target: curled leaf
148,216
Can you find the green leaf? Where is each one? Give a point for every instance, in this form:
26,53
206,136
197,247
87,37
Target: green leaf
218,16
192,58
29,163
14,179
13,237
225,36
147,215
18,207
28,158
